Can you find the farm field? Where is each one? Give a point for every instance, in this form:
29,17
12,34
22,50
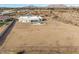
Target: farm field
59,35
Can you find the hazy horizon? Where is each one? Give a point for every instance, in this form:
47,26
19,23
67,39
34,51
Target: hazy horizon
36,5
22,5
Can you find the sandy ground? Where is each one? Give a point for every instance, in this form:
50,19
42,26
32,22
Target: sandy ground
52,34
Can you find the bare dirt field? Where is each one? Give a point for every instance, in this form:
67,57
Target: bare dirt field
53,37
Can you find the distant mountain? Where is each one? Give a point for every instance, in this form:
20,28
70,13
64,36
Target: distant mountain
56,6
40,6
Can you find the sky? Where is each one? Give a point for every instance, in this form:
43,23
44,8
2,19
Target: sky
23,5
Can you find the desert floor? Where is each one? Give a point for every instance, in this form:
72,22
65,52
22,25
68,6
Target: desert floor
53,37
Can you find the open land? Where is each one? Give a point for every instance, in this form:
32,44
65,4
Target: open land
58,35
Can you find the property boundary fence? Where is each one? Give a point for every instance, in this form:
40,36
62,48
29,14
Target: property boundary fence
6,31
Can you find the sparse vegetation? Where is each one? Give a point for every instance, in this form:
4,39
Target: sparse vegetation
1,23
59,35
5,22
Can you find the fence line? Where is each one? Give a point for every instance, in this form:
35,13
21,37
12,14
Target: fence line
7,29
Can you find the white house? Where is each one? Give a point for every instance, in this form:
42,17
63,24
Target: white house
30,19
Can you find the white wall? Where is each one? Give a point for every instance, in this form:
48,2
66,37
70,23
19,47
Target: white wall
26,19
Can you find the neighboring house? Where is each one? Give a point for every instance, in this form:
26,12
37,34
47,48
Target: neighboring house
4,13
3,18
30,19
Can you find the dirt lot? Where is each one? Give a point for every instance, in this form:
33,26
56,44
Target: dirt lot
42,38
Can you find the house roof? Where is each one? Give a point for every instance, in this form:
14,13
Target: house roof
31,17
3,17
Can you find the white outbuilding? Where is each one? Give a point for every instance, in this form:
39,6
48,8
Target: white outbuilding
30,19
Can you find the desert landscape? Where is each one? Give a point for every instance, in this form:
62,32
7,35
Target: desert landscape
59,34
